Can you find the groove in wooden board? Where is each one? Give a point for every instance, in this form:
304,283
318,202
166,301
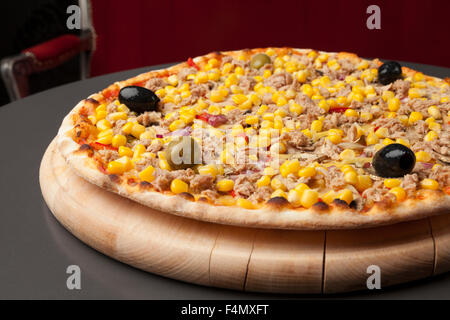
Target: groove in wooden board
404,252
286,261
230,257
441,232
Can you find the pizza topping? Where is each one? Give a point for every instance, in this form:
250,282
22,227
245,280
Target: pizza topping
138,99
389,72
297,122
183,153
259,60
394,160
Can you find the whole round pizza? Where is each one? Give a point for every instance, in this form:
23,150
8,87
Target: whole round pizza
275,138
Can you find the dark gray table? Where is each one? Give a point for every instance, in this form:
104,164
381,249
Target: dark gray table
35,249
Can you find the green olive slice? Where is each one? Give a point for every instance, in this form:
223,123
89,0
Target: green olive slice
259,60
183,153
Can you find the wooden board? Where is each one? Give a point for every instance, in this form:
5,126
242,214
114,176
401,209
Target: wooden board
281,261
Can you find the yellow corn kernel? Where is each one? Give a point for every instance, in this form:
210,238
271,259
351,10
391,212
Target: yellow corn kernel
139,149
118,140
434,112
216,96
294,197
263,181
372,139
244,203
346,195
107,132
103,124
430,136
418,76
423,156
267,74
366,116
347,154
334,138
309,198
399,193
404,142
178,186
214,76
434,126
323,104
430,184
342,101
147,174
382,132
239,71
329,197
387,95
227,68
394,104
163,164
445,99
307,89
414,117
201,77
225,185
208,169
316,125
176,125
392,183
269,171
364,64
307,172
277,184
390,115
173,80
226,201
125,151
279,193
388,141
115,167
414,93
346,168
137,129
301,187
105,139
296,108
289,166
239,98
364,182
251,120
403,119
351,177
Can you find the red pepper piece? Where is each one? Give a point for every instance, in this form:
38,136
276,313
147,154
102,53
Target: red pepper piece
339,109
191,63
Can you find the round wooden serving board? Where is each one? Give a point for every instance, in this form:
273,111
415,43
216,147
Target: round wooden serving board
281,261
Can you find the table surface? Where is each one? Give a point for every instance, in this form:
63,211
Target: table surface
35,250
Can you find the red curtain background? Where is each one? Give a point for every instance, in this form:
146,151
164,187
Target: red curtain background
136,33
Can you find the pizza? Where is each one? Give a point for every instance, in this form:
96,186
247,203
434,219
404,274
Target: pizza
272,138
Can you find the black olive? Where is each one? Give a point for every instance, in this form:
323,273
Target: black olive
175,153
138,99
389,72
394,160
259,60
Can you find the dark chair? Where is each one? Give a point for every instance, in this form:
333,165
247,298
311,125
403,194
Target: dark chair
17,70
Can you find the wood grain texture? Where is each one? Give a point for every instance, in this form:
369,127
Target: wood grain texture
282,261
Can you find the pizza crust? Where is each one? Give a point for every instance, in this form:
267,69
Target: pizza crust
268,216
